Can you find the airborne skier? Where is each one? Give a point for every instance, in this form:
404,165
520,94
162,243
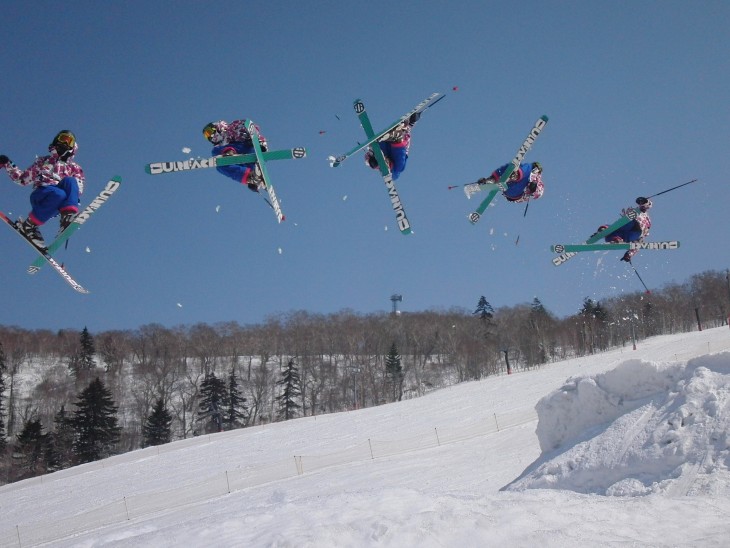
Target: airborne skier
395,146
233,138
524,183
634,231
57,181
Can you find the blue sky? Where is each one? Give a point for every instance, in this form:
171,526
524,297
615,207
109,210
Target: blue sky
636,93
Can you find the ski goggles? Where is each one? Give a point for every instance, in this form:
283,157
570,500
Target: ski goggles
66,139
209,132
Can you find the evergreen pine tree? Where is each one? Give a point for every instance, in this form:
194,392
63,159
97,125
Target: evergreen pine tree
537,308
212,402
594,309
51,455
83,361
236,409
290,384
31,449
484,310
156,429
96,432
87,351
394,373
63,438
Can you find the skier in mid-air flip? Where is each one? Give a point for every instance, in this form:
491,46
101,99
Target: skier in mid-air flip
633,231
57,181
395,145
233,138
524,184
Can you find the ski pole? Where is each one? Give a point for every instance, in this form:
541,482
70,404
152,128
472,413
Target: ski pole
452,187
673,188
517,241
638,276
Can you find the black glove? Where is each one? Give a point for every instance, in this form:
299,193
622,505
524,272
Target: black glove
641,200
253,187
532,187
4,160
414,118
626,257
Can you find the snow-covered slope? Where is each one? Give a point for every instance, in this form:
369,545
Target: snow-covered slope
464,466
643,427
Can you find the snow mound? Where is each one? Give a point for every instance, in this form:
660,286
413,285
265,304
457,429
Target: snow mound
639,429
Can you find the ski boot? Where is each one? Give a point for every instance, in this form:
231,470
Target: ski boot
255,179
31,233
67,218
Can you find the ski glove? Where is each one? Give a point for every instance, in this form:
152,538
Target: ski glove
4,160
626,257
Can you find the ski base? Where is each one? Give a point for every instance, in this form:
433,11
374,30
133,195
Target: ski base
261,161
401,218
158,168
569,248
48,257
111,187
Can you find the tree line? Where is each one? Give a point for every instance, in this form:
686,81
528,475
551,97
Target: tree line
70,397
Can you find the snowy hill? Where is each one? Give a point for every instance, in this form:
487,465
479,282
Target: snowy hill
640,428
626,447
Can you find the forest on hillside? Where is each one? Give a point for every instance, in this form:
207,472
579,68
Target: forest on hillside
75,396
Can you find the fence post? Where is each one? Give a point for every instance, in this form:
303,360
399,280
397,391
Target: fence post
298,464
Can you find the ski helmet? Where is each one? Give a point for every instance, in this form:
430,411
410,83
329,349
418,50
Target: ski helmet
64,138
215,131
644,203
64,143
536,167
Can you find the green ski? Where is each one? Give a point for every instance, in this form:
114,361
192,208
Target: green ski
158,168
575,248
261,161
111,187
373,137
400,213
628,216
